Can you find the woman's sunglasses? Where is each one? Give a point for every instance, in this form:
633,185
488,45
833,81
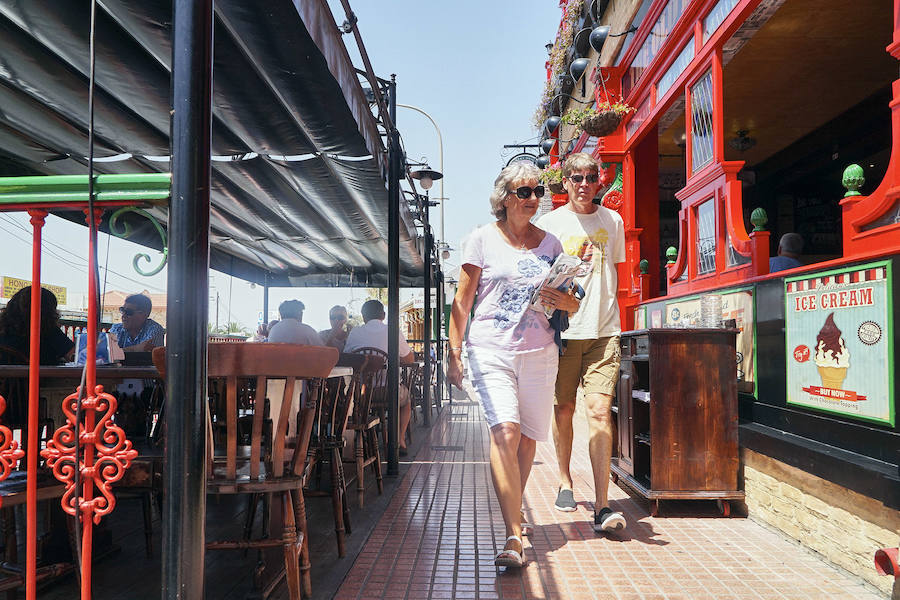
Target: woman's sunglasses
525,192
593,178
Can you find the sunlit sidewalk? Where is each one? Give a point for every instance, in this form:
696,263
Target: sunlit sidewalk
440,533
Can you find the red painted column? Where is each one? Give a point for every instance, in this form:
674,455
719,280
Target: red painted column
90,417
34,372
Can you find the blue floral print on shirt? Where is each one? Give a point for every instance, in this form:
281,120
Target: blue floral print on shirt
512,302
529,268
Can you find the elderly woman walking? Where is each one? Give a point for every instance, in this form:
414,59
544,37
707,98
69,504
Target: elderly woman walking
511,350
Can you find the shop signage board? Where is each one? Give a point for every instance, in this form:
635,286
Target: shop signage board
839,342
737,305
11,285
526,156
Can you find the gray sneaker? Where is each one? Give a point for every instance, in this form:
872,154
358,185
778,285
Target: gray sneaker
565,501
608,520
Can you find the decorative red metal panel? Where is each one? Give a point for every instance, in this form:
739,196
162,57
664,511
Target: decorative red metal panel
106,455
10,453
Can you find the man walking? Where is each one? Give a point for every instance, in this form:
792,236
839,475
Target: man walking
591,358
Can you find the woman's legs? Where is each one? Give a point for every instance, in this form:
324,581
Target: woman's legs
505,472
527,448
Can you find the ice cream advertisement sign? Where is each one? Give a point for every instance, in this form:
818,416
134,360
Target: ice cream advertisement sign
839,342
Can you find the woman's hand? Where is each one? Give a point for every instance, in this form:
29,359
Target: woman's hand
455,369
556,299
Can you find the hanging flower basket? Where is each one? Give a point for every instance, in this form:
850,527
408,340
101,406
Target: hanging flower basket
601,124
552,178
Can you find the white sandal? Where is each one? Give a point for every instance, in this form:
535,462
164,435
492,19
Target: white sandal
510,558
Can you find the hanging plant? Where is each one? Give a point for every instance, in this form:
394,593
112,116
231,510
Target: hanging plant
552,178
556,62
600,121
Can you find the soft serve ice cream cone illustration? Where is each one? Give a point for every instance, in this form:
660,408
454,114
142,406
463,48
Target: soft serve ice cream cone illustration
832,356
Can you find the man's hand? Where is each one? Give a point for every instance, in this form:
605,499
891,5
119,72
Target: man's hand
145,346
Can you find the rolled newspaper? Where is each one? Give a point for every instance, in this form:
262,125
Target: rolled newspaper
561,275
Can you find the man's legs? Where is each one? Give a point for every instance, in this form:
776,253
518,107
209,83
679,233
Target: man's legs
601,375
597,407
567,379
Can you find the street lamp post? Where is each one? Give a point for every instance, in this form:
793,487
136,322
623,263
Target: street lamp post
442,244
426,178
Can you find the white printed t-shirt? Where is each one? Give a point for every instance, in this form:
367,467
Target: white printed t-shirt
374,334
502,318
598,239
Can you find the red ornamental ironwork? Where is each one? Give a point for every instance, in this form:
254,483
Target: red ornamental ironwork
106,453
10,453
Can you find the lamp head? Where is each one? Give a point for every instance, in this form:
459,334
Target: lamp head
542,162
578,67
426,177
551,124
547,145
598,37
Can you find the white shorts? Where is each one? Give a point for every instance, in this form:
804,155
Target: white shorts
516,387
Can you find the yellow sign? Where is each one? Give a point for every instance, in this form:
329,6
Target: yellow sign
11,285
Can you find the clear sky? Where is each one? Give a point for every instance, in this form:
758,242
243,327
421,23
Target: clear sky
477,67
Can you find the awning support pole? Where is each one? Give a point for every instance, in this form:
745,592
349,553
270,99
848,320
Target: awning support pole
266,300
184,515
395,156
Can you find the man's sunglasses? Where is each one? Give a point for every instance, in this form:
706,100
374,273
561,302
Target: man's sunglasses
337,318
525,192
593,178
127,311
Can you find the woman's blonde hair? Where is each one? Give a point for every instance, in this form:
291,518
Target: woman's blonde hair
518,171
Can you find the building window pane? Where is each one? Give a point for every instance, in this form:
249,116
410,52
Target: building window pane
716,16
701,124
734,258
675,69
653,42
706,237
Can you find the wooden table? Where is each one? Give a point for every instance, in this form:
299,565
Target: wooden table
110,372
74,372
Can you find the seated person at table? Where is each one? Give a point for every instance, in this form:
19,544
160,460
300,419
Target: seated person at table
789,248
374,334
137,332
291,329
336,337
15,324
262,332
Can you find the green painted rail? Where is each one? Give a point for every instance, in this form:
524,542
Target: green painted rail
49,190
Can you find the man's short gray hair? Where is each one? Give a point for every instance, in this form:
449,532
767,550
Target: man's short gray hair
791,243
520,170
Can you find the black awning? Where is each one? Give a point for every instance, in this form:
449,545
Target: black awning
299,191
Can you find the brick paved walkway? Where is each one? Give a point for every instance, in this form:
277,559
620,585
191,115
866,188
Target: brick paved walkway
439,535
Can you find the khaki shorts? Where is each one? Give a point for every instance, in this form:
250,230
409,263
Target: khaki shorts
594,364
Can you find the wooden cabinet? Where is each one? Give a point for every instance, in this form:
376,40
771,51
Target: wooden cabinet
676,414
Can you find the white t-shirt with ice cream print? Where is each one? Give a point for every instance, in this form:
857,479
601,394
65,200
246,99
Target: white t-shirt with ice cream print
598,239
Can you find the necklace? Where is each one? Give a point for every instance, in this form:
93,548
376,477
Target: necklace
515,239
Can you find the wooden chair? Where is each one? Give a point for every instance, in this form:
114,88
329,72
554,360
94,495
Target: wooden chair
366,370
326,447
269,461
378,402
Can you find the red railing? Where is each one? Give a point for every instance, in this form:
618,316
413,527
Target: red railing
89,452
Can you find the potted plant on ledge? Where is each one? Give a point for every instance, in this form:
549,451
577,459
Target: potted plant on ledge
600,121
552,178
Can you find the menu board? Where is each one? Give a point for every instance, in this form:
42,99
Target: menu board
839,342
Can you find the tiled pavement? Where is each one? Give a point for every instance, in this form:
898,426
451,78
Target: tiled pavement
438,537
